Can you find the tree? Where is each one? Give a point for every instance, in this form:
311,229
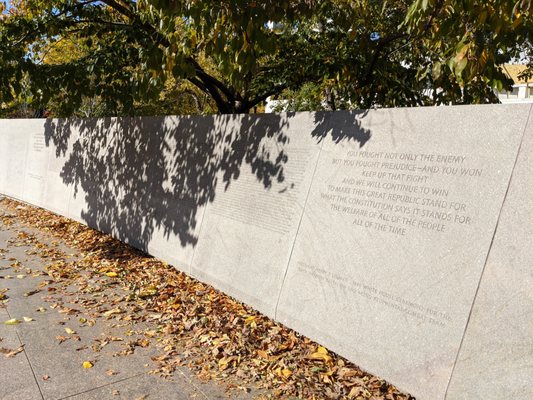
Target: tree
466,43
359,53
426,52
135,47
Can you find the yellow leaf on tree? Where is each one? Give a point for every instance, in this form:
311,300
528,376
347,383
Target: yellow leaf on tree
87,364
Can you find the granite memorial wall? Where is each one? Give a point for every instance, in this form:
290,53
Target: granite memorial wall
399,238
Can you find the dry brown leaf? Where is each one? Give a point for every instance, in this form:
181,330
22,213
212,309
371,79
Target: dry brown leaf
62,338
263,354
12,353
113,311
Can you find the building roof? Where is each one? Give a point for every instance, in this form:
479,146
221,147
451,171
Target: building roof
513,70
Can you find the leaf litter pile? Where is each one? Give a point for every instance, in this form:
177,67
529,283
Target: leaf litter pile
189,322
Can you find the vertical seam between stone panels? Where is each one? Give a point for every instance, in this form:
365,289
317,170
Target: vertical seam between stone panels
489,250
298,229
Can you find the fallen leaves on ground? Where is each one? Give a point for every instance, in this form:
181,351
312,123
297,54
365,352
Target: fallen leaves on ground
10,353
190,322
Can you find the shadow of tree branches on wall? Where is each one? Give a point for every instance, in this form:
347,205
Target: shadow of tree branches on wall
142,174
341,125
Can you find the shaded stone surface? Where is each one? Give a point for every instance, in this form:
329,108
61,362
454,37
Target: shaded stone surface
248,231
58,194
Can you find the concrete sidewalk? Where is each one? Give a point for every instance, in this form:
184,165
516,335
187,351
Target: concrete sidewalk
43,356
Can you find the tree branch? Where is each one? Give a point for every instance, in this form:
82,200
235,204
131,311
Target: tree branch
102,22
228,92
222,105
210,83
194,98
388,40
77,5
122,9
377,53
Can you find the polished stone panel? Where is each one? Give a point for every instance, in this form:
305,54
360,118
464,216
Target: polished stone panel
496,358
249,228
14,136
395,235
58,191
38,155
181,185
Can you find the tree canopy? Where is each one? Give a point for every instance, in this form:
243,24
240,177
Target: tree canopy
124,57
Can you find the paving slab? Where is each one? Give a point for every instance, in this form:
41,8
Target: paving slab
17,381
145,387
64,364
51,365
